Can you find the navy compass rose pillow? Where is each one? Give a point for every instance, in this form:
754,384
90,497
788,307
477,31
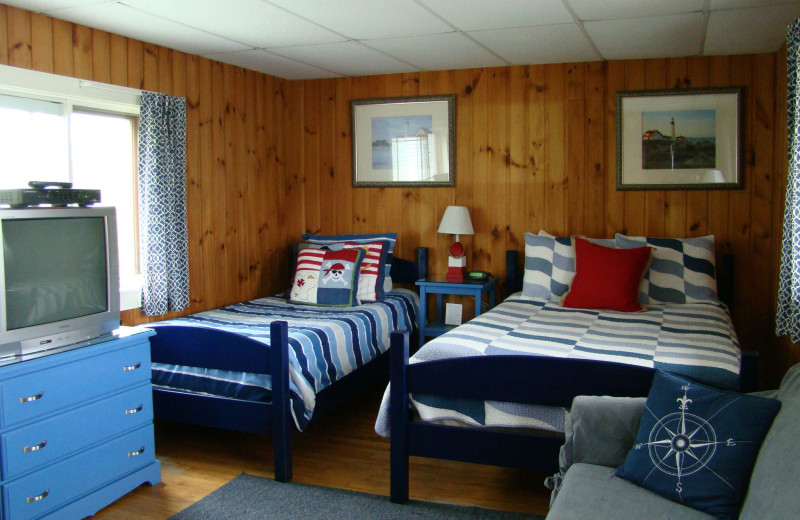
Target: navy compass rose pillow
697,445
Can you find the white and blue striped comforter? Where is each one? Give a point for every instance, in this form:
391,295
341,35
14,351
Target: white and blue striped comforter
696,340
327,343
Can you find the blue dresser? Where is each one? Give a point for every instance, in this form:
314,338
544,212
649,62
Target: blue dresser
76,428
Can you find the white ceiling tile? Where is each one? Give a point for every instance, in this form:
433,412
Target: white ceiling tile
40,6
452,51
731,4
469,15
368,19
119,19
251,22
542,44
746,31
348,58
611,9
410,35
272,64
658,37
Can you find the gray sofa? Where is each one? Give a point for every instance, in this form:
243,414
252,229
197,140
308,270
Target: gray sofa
602,430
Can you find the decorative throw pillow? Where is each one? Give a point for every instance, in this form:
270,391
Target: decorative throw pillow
682,269
549,266
608,242
697,445
370,279
337,242
606,278
328,278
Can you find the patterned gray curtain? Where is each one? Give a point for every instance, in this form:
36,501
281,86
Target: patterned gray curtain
788,315
162,204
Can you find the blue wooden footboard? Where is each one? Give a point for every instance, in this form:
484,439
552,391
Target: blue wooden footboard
520,379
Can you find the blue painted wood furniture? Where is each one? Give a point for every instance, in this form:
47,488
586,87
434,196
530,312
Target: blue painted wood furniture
209,348
440,286
76,427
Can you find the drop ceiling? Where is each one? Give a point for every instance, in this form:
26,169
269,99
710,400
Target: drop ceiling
306,39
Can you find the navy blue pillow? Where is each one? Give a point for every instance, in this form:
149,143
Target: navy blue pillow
697,445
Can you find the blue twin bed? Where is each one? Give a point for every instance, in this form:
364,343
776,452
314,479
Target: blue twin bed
497,390
271,366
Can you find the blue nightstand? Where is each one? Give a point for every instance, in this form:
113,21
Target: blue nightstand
439,286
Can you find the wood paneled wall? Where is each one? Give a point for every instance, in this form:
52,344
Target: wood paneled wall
269,159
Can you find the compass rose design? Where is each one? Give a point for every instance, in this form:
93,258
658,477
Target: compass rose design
681,443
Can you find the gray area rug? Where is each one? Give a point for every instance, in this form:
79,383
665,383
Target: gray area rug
255,498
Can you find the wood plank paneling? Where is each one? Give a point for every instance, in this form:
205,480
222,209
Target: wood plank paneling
3,34
42,43
536,149
19,38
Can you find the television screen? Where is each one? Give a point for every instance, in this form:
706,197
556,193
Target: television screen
55,269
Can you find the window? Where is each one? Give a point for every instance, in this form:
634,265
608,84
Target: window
88,140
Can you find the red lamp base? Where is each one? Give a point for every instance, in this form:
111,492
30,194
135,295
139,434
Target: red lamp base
455,274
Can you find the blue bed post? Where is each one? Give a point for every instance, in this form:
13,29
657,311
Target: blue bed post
398,410
422,262
281,427
513,282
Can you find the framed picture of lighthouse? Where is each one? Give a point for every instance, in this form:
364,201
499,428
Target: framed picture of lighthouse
679,139
407,141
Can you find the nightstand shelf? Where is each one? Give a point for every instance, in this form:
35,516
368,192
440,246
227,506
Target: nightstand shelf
440,286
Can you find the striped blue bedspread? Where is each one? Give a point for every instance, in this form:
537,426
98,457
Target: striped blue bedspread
327,343
695,340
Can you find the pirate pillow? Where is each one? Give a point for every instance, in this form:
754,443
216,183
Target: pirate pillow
370,279
697,445
328,278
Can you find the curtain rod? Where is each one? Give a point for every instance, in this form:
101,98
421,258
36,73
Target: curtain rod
113,88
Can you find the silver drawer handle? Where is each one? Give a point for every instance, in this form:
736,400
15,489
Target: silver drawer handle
129,411
136,453
36,447
128,368
31,398
38,497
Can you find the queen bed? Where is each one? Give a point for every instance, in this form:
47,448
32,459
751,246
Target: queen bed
272,365
497,389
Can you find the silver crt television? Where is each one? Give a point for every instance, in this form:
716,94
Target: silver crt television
59,277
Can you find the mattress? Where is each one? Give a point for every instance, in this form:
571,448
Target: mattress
695,340
326,344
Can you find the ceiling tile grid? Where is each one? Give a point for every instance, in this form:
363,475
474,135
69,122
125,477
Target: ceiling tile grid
307,39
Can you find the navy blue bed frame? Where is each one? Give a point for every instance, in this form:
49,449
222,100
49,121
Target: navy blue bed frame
521,379
209,348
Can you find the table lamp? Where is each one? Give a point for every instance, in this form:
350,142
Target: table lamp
456,222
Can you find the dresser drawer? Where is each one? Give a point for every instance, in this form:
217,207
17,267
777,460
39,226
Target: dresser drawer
39,443
65,481
31,395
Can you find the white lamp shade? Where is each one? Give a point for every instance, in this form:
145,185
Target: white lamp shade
456,221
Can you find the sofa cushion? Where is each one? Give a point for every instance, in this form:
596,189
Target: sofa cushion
592,492
773,485
697,444
600,430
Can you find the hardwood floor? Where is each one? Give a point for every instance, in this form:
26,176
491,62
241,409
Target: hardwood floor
342,450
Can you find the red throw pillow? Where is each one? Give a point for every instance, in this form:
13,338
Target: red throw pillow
607,278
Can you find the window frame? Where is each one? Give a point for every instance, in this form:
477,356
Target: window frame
79,95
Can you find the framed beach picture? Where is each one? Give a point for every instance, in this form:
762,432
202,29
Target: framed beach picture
679,139
408,141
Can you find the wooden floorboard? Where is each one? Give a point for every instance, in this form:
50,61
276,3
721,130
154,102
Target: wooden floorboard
342,450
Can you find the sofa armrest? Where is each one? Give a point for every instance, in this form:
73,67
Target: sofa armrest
601,430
